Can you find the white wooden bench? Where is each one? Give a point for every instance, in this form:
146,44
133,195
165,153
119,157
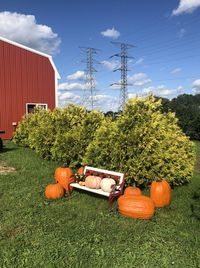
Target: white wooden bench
117,176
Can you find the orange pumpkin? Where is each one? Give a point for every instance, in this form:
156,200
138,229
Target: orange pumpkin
54,191
160,193
80,171
138,207
64,176
131,190
93,182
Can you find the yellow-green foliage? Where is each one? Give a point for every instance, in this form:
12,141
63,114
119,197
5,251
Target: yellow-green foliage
144,143
61,135
37,131
75,129
98,152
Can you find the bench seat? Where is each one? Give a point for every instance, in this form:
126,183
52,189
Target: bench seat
117,176
96,191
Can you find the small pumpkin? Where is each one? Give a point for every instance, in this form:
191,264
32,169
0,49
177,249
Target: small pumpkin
54,191
81,183
80,171
160,193
64,176
93,182
79,175
106,184
132,190
138,207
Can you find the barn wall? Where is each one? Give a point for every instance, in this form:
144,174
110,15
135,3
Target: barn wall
25,77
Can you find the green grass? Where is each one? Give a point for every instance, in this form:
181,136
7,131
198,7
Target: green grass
80,231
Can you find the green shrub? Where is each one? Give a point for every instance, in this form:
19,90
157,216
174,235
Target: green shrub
75,130
145,144
61,135
42,136
36,130
98,152
24,128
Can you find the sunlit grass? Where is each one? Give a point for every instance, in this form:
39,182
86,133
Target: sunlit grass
80,231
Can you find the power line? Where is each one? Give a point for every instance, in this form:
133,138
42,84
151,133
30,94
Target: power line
89,89
124,69
159,29
150,62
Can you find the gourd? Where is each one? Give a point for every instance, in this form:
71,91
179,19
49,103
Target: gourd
106,184
54,191
80,171
160,193
93,182
79,175
64,176
132,190
138,206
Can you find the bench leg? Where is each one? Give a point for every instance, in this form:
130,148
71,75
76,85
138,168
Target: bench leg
111,197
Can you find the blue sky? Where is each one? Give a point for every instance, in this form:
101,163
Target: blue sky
165,34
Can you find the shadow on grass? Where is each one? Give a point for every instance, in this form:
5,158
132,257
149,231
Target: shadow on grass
6,149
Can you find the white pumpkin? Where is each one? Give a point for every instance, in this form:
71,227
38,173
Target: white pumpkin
106,184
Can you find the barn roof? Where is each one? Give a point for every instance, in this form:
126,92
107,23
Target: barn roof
34,51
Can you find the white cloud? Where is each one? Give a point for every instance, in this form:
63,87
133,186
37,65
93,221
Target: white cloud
161,90
78,75
196,86
186,6
139,79
112,33
71,86
75,86
115,86
139,61
66,98
101,102
106,103
132,95
180,90
176,70
25,30
111,65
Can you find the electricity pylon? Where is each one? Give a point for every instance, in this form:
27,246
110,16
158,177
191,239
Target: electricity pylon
124,69
89,89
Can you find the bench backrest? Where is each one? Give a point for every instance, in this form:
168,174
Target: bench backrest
117,176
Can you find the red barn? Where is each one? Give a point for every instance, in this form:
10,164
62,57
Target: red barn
28,78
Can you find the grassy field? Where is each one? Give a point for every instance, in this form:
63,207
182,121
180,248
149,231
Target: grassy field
80,231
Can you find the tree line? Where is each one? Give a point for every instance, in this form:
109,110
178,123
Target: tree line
187,110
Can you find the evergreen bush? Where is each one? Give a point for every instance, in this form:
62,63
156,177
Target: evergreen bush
75,130
145,144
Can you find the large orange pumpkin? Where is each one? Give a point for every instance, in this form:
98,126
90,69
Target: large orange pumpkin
160,193
54,191
138,207
64,176
131,190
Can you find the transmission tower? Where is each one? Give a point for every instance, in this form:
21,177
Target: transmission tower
89,89
124,69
